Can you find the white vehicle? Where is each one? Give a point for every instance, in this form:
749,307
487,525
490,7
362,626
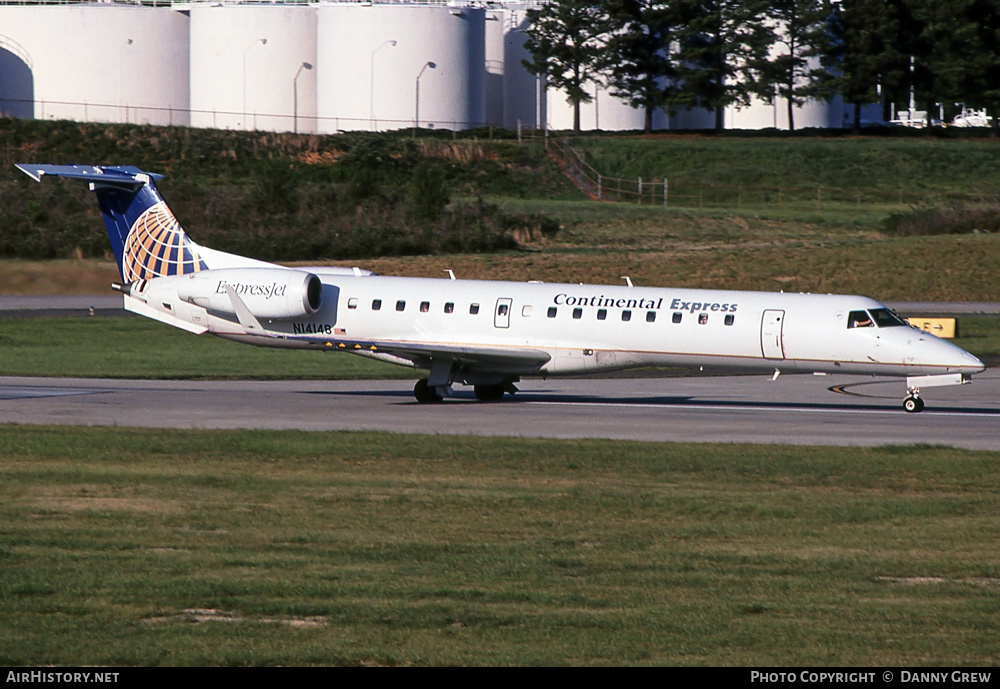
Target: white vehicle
489,334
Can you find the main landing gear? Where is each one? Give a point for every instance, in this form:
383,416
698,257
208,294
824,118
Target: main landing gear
426,394
489,393
430,394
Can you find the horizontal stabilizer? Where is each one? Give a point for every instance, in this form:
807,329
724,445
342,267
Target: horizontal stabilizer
138,307
127,175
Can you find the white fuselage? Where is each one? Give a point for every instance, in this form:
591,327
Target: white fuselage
589,328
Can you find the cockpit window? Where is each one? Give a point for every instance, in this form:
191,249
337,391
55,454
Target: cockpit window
860,319
884,318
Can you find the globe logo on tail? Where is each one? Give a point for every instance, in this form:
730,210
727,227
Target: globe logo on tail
157,246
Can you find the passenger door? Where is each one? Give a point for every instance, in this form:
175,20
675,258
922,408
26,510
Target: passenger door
772,343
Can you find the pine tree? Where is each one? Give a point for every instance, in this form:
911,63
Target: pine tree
801,70
637,62
723,48
565,38
869,54
955,53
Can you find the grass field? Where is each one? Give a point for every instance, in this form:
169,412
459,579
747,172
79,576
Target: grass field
870,164
156,547
134,347
245,548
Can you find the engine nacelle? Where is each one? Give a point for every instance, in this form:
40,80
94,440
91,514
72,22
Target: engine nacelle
268,292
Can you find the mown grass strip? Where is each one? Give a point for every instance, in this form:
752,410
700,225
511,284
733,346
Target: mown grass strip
134,347
260,548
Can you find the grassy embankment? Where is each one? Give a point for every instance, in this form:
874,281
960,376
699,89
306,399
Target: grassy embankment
345,197
269,548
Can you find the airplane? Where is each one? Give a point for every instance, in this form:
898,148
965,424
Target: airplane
490,334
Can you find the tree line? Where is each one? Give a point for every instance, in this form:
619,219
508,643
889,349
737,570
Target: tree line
713,54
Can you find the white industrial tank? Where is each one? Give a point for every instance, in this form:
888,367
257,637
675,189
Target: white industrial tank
524,94
253,67
383,67
493,77
94,63
604,112
761,115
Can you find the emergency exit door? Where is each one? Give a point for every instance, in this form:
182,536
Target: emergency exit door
501,317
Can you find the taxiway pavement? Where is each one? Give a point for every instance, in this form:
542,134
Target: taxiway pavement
794,409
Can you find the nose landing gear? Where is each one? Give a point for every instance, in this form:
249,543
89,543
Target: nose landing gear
912,403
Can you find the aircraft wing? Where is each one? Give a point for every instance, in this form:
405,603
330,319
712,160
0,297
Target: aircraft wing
493,359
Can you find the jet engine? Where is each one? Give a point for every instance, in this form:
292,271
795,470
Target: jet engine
273,293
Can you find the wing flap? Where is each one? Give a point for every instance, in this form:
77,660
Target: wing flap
494,359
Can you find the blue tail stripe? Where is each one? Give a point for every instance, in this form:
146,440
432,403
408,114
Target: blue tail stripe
145,236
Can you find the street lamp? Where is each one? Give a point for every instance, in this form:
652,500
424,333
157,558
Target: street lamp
295,94
371,83
262,41
416,113
121,68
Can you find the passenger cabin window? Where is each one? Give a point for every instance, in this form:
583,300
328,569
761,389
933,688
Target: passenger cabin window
425,306
702,318
602,314
473,309
526,310
502,309
626,315
449,307
577,313
400,305
552,312
860,319
352,303
678,316
730,319
650,316
376,304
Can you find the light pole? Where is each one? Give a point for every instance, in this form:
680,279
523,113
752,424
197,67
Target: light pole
597,111
371,83
295,94
262,41
121,68
416,113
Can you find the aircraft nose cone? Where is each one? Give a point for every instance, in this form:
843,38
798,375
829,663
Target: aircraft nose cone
973,361
961,360
938,352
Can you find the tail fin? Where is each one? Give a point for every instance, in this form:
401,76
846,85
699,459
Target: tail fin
147,240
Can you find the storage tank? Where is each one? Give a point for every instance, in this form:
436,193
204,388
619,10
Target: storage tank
604,112
773,112
524,94
94,63
253,67
493,76
693,118
382,67
761,115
